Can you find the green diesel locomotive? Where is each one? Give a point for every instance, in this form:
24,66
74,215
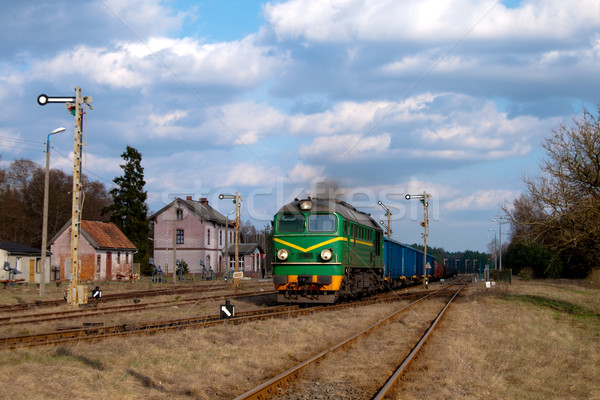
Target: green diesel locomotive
324,250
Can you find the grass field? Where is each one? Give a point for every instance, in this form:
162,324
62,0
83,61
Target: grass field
528,340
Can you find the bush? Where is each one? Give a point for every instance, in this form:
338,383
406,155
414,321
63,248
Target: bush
593,279
526,274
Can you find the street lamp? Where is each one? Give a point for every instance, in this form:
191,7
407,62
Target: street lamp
237,200
45,212
388,214
424,199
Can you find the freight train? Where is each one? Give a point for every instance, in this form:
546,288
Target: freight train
326,250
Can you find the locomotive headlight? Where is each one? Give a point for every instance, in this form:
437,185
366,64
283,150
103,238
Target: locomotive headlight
305,205
282,254
326,254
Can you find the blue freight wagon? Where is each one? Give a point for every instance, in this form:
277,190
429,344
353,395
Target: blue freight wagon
403,263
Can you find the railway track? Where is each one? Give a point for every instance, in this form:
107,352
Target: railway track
275,386
94,332
117,297
96,311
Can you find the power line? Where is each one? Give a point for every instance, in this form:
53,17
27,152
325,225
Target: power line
21,147
12,139
62,162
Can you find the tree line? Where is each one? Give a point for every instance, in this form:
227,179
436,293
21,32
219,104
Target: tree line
556,222
22,201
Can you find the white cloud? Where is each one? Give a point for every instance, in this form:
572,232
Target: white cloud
140,65
242,123
161,125
250,174
343,117
304,172
480,200
346,147
426,20
141,16
477,130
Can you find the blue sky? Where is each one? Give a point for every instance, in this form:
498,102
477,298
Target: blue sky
277,100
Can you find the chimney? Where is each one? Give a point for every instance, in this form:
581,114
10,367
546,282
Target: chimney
188,198
203,201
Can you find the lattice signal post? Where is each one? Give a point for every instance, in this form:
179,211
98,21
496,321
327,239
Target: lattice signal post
388,214
424,199
237,200
77,294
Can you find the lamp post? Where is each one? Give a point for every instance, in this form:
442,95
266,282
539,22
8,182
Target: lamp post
45,212
388,214
237,200
424,199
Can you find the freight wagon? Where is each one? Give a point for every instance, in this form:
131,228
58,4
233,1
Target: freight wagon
403,264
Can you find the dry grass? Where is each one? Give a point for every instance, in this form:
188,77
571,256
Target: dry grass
214,363
508,342
534,340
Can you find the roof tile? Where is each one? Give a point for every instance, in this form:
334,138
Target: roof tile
106,235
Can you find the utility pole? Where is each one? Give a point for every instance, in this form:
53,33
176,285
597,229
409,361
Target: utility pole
76,293
500,220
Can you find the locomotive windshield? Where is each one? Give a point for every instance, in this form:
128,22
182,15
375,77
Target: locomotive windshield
291,223
321,223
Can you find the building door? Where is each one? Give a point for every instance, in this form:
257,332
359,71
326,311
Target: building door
31,271
108,265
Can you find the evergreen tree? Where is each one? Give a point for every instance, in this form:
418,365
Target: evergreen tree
129,210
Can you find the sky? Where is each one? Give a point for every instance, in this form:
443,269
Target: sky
364,100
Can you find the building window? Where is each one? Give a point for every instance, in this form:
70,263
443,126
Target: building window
118,257
240,262
179,213
220,238
208,237
179,236
98,264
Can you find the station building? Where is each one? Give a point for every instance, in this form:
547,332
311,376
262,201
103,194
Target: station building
193,231
105,253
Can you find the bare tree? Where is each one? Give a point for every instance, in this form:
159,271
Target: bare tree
21,202
562,208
